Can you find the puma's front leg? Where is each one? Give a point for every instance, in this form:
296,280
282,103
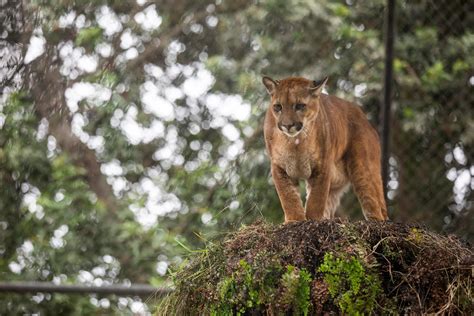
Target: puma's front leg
288,193
318,191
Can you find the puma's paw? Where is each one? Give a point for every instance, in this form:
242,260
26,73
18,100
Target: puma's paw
287,221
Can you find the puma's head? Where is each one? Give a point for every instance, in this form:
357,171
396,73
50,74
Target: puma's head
294,102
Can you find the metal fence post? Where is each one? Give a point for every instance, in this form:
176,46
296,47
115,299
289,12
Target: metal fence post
387,96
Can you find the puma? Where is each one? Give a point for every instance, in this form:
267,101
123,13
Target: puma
326,141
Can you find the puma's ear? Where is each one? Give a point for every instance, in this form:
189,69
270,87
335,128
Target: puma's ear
270,84
317,86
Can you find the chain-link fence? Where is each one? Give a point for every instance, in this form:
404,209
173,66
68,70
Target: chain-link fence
432,132
432,127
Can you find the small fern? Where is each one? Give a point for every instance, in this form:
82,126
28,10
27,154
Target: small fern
297,286
353,288
245,289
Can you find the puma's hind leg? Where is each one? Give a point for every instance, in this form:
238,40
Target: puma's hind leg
334,199
366,180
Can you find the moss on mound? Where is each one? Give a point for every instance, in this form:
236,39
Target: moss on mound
310,268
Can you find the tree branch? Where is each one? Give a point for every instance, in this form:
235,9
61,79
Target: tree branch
47,88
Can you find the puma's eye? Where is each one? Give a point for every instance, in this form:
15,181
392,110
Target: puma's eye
300,106
277,107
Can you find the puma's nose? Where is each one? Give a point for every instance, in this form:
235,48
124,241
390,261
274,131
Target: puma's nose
292,127
287,127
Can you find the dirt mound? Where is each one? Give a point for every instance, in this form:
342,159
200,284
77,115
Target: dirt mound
309,268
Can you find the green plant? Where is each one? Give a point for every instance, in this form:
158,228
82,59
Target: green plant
89,36
296,284
242,291
415,235
251,287
353,288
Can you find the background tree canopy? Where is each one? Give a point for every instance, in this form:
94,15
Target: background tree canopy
130,131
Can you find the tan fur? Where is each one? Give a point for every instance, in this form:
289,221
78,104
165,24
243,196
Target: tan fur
335,147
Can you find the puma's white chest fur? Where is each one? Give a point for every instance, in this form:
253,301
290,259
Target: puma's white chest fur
297,162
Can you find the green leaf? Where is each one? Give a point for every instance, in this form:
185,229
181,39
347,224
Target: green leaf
89,37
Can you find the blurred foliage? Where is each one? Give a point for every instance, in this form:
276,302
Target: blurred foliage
59,223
